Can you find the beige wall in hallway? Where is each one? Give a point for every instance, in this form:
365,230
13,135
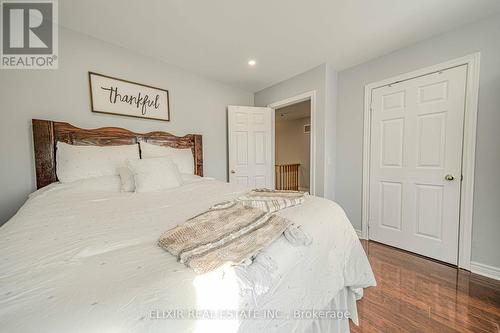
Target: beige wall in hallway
292,144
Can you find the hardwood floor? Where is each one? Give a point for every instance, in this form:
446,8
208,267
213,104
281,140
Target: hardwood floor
416,294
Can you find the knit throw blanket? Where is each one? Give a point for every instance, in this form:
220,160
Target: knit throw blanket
230,232
272,200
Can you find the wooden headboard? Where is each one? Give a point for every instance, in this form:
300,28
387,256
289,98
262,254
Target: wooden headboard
47,133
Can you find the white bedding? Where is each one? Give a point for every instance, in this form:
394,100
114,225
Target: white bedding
75,260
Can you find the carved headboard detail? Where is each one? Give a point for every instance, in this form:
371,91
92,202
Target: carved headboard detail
46,133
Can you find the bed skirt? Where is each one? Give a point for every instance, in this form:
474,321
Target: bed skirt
345,300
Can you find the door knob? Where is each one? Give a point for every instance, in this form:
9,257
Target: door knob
232,171
449,177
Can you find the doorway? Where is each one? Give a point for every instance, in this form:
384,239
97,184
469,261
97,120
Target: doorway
292,130
294,142
418,158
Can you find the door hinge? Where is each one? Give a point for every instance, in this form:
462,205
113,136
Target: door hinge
461,177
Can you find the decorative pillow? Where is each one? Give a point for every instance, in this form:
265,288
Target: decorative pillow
128,183
183,158
126,179
155,174
82,162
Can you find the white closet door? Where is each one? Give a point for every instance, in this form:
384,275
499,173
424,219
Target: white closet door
250,146
415,163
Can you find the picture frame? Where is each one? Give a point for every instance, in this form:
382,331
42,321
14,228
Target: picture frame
111,95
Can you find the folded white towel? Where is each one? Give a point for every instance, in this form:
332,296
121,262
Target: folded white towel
255,275
297,236
256,278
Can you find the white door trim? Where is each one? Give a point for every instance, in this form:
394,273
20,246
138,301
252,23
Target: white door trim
292,100
469,148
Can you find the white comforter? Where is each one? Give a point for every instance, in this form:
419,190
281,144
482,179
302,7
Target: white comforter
76,260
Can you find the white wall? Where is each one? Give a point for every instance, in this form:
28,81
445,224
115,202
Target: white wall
331,87
198,105
321,79
481,37
293,145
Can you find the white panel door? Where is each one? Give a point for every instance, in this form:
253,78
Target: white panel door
250,146
415,163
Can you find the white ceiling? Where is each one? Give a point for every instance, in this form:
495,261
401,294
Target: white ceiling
217,38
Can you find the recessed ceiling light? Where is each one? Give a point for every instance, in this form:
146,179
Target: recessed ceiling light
252,62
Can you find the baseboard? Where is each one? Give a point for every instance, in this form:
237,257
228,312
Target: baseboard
485,270
475,267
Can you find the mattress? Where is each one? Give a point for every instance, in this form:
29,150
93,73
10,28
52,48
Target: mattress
82,260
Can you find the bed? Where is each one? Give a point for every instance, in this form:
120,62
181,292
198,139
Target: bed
84,258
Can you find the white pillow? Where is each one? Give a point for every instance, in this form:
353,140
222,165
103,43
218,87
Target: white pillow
154,174
109,184
82,162
187,178
183,158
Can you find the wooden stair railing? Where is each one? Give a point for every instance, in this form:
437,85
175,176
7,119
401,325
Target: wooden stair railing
287,176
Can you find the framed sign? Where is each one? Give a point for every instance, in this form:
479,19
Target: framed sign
121,97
